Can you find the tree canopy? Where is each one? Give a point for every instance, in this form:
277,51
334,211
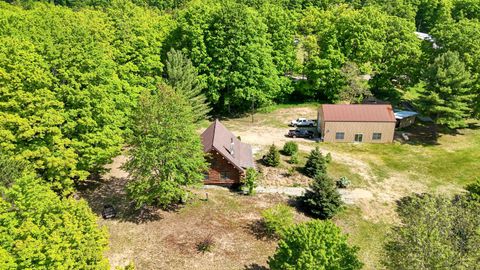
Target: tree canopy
436,233
166,154
40,230
314,245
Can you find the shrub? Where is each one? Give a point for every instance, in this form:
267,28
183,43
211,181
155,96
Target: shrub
322,199
272,158
314,245
294,159
250,181
474,189
343,182
290,148
315,164
206,245
277,219
328,158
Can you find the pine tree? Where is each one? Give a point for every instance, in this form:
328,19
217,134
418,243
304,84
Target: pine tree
272,158
448,96
316,164
166,154
322,199
183,77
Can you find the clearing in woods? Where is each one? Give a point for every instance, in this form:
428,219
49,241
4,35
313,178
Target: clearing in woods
380,175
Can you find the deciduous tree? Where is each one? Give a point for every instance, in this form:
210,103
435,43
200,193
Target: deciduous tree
435,233
42,231
166,154
314,245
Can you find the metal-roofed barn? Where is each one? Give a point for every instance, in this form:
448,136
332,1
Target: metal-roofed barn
356,123
229,157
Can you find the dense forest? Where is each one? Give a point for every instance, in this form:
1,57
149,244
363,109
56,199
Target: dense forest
72,73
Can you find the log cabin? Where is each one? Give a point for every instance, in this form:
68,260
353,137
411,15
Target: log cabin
229,158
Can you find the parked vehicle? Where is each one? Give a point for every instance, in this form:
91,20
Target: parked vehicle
302,122
108,212
300,133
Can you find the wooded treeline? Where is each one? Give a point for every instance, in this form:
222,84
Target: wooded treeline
71,73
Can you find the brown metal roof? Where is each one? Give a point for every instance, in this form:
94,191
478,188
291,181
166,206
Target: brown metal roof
357,113
219,138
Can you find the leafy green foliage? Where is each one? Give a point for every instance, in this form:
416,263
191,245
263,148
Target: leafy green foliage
183,77
436,233
316,164
277,220
250,180
42,231
206,245
290,148
447,96
294,159
70,80
382,46
356,88
166,153
328,157
10,169
228,43
474,189
272,158
314,245
322,198
343,182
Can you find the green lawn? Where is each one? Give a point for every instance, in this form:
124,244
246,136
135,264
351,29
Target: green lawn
366,235
455,160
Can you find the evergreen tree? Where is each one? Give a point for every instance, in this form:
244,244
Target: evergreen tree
322,198
314,245
316,164
272,158
166,154
250,180
183,77
447,97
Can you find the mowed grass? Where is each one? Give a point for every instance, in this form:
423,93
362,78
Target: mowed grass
454,160
366,235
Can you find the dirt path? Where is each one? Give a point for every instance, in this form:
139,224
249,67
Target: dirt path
376,198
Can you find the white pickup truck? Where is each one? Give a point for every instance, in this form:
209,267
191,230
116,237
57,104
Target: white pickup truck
302,122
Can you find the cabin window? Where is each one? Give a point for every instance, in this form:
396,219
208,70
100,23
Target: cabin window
206,176
340,135
376,136
224,175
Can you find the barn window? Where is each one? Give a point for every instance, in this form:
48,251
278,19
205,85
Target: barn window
340,135
224,175
377,136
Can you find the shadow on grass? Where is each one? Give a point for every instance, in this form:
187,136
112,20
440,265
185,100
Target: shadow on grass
112,192
255,266
258,229
427,134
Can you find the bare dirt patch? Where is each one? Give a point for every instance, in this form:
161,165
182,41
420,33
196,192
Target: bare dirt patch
158,239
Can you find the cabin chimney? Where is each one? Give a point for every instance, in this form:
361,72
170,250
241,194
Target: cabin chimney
232,152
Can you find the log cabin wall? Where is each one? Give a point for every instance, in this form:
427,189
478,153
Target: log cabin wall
221,172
